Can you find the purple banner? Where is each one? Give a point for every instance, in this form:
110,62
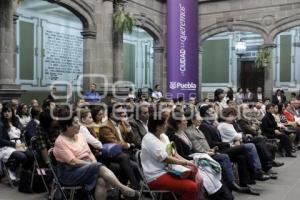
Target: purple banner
182,34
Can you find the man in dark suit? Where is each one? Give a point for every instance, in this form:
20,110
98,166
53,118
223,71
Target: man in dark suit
271,130
237,154
258,96
33,124
139,125
278,97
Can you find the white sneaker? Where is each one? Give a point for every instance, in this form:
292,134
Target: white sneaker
12,175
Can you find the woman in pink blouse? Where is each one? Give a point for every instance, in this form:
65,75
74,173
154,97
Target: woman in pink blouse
78,166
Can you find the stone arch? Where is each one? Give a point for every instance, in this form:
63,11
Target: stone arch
285,24
212,30
159,64
83,11
151,27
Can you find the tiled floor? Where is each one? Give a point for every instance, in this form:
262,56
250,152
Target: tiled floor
286,187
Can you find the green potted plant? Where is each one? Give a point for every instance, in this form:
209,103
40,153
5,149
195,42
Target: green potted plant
263,57
123,20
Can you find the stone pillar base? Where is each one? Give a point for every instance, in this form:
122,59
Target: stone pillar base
8,94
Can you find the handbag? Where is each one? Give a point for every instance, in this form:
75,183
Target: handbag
110,150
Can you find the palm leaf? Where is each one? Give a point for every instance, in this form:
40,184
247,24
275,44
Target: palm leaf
123,21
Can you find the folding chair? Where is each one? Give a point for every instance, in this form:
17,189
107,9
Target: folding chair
57,186
6,173
37,170
5,166
155,194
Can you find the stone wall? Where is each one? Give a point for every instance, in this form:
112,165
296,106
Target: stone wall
267,17
103,51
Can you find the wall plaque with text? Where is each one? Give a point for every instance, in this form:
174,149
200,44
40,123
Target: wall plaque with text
63,53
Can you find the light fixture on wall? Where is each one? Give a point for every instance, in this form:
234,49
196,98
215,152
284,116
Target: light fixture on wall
240,48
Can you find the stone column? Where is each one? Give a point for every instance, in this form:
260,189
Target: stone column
8,87
89,55
200,73
159,71
118,56
7,45
118,49
104,57
269,79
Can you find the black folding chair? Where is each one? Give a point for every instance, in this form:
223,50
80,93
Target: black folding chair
56,185
37,169
5,167
155,194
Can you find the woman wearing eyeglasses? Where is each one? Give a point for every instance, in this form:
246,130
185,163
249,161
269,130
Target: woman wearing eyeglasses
77,164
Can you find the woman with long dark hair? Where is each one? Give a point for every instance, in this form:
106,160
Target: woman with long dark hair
11,146
219,100
23,115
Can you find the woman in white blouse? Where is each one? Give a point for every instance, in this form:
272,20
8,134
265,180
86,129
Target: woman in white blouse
154,160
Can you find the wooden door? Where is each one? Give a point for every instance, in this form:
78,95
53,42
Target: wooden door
251,77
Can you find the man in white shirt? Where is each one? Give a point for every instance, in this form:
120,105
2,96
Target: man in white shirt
157,94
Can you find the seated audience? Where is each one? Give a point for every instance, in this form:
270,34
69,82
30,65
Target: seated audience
236,153
252,133
99,117
239,96
231,136
154,159
220,100
248,96
271,130
258,96
278,97
23,115
110,132
140,123
177,123
46,134
78,166
122,159
200,145
32,125
12,148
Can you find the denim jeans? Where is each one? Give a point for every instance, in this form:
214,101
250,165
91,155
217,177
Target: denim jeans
253,156
224,161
